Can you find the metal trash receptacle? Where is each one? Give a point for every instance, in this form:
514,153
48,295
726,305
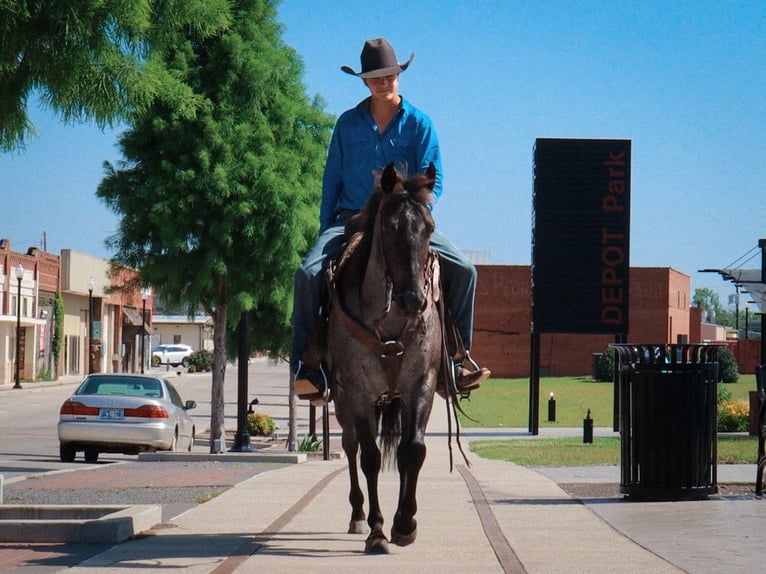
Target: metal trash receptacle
668,420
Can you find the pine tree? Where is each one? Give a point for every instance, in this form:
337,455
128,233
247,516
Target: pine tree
218,208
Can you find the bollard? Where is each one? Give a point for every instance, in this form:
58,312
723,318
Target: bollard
587,429
551,409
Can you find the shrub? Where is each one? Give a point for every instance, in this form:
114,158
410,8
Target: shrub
310,443
202,361
733,416
604,366
260,424
728,370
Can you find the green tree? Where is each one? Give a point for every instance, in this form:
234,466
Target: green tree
94,59
708,300
218,208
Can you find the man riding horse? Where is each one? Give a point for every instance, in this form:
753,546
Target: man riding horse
382,129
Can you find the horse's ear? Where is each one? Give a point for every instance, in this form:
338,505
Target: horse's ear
388,178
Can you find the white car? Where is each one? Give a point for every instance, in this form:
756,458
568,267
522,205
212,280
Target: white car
127,413
177,354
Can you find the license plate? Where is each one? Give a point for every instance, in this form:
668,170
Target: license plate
111,414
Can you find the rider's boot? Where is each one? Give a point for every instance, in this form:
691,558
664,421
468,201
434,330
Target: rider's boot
469,375
311,384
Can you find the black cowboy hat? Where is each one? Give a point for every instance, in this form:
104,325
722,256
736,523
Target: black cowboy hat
378,59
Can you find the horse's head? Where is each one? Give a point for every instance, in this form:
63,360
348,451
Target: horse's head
405,226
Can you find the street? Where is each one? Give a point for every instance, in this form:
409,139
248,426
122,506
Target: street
28,416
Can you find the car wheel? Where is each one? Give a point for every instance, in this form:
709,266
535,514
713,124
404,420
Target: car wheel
174,444
191,441
185,363
91,454
67,452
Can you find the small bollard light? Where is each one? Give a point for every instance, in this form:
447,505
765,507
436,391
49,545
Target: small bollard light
587,429
551,409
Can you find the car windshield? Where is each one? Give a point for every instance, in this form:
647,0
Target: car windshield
121,386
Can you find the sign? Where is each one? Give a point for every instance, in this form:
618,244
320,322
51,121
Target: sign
96,334
581,236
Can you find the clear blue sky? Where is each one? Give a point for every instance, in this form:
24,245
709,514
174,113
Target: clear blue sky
685,81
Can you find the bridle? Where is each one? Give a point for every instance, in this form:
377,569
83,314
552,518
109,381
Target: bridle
389,350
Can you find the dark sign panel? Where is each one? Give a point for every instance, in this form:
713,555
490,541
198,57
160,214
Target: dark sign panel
581,236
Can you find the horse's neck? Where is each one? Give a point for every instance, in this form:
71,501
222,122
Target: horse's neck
374,300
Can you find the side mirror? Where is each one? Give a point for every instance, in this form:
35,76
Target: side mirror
190,405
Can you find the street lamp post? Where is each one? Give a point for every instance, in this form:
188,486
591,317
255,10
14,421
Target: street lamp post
19,277
144,296
91,284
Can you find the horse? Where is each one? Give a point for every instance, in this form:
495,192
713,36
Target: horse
385,347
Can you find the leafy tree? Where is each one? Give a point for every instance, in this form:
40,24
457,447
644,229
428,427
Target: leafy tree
94,59
217,208
708,300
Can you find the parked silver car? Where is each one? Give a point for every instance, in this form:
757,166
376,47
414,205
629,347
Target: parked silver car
175,354
124,413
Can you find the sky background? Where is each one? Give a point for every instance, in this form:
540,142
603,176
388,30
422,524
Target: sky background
684,81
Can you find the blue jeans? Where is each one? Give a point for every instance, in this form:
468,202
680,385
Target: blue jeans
458,280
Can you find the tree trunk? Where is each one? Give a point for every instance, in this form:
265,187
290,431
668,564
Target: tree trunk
217,429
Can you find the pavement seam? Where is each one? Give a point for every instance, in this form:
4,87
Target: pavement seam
238,557
505,554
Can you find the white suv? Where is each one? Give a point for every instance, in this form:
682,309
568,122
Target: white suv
174,355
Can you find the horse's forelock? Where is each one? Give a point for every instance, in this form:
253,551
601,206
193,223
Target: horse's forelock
420,188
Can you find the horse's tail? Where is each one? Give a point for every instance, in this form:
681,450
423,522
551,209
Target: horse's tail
390,432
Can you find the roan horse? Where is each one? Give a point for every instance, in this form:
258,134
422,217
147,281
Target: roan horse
385,347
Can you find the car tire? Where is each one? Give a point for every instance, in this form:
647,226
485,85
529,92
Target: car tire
91,454
185,363
191,441
67,452
174,444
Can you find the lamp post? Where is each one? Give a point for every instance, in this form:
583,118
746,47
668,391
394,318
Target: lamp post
19,277
144,296
91,284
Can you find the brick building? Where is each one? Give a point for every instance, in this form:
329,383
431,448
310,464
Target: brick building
659,313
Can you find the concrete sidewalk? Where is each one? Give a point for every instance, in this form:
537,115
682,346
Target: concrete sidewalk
489,517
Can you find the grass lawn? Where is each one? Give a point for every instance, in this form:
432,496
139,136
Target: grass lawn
732,449
505,403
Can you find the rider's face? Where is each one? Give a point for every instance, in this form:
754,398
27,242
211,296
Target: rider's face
384,86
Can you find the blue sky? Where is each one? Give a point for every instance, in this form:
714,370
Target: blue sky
684,81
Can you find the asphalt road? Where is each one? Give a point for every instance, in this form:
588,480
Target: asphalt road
28,417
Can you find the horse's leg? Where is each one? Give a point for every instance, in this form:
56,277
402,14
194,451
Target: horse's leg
355,496
410,457
376,542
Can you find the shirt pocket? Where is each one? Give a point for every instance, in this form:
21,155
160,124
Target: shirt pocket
400,149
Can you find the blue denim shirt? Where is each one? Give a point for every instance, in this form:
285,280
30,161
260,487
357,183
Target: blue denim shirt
357,150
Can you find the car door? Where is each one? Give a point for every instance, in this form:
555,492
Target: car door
185,424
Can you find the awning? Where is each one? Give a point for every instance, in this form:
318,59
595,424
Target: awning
132,318
750,280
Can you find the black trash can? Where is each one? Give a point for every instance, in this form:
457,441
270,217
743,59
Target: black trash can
668,420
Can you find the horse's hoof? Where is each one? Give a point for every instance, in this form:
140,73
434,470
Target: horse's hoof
403,539
376,545
357,527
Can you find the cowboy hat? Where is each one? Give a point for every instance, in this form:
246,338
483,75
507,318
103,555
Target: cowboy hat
378,59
